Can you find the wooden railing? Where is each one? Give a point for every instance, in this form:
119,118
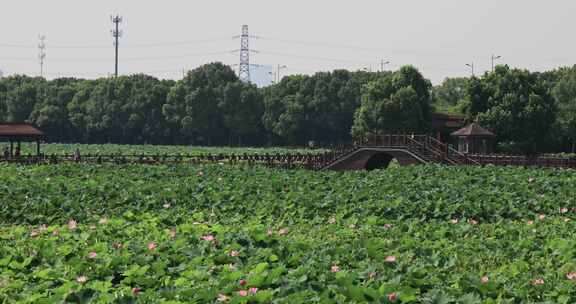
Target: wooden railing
423,146
520,160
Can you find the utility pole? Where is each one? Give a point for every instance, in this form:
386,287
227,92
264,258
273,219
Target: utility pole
382,63
494,58
41,53
278,72
471,66
116,33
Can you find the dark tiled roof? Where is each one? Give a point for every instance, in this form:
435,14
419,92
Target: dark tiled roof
441,120
473,129
19,130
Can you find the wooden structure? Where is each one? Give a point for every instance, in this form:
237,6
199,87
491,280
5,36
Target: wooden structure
18,132
474,139
444,124
374,152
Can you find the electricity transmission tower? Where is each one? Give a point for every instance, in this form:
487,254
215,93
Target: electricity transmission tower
244,71
41,53
116,33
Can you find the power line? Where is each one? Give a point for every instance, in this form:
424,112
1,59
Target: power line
315,57
128,45
100,59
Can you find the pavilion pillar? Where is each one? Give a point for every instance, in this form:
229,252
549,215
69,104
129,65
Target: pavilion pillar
38,147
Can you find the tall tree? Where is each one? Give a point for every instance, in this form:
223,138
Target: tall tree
194,104
564,93
516,105
451,92
396,104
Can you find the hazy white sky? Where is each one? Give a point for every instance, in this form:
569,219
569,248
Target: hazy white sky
162,38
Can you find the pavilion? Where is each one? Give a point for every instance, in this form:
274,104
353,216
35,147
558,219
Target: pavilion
474,139
18,132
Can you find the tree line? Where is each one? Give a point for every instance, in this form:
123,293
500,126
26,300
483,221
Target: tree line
529,112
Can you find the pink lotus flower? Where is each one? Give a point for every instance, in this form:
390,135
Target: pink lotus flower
103,221
537,282
530,222
72,224
56,232
242,282
34,233
335,268
283,231
152,246
234,253
563,210
541,217
82,279
242,293
208,238
454,221
484,280
390,259
92,255
135,291
253,290
387,226
222,298
392,297
571,276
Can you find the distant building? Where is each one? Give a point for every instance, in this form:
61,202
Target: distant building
444,124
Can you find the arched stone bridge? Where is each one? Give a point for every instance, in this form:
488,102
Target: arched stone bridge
377,152
371,158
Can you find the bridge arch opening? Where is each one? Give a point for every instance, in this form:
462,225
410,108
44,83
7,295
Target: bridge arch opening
378,161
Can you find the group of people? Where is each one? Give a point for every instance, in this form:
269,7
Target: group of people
17,154
7,153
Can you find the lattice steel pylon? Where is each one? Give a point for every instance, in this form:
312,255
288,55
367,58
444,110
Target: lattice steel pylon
244,70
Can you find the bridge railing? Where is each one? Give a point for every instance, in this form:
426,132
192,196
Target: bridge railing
424,145
521,160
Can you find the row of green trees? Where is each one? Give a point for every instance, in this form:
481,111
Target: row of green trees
529,112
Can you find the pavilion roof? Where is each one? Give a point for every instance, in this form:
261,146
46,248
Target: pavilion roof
472,130
19,130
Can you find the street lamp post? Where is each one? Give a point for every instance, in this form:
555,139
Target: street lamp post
278,72
471,66
382,63
494,58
